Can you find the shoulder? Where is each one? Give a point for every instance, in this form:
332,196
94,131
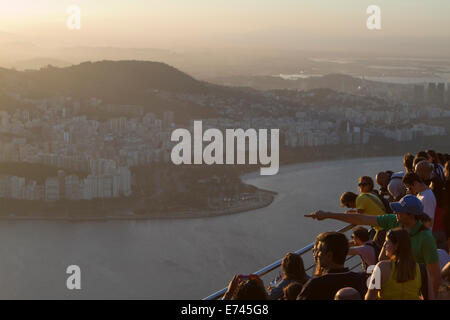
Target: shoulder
384,265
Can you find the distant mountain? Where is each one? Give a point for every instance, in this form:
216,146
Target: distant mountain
116,82
111,79
38,63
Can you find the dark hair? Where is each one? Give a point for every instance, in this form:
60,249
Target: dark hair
368,180
292,290
410,178
418,159
250,290
348,197
336,243
408,160
422,154
361,233
293,267
432,154
403,256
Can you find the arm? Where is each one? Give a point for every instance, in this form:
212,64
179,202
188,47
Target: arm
431,295
435,275
357,219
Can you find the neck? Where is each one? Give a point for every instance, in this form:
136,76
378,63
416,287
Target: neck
422,187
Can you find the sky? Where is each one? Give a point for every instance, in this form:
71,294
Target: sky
286,24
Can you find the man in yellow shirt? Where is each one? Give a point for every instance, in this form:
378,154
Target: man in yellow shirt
367,202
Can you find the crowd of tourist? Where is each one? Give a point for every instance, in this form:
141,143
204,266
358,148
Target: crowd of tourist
404,255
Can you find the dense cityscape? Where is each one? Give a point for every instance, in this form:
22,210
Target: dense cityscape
94,155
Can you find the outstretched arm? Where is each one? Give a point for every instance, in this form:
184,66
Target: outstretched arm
352,218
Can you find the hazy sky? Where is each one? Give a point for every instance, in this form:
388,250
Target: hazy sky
295,24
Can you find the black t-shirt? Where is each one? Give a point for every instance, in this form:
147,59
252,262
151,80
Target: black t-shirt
324,287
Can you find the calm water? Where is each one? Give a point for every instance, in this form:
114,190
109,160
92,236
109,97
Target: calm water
176,259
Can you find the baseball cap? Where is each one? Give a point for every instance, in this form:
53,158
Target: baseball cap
408,204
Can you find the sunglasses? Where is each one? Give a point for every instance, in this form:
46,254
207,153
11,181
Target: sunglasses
362,184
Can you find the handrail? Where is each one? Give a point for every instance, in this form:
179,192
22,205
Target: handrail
277,264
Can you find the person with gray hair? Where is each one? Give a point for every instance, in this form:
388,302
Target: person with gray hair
347,293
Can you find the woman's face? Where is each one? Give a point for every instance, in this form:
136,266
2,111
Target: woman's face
364,187
390,248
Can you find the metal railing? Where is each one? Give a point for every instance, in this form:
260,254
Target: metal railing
277,264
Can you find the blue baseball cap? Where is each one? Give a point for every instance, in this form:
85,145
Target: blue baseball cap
408,204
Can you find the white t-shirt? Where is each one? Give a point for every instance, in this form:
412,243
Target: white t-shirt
429,203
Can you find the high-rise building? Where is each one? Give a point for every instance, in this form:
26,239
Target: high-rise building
440,93
419,93
52,189
431,93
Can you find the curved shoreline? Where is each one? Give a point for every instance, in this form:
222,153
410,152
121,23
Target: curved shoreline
267,194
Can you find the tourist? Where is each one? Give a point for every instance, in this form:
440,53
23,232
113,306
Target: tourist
417,160
292,290
437,168
391,185
444,258
416,186
348,200
330,251
398,278
246,288
368,201
408,214
361,245
408,160
347,294
446,202
293,270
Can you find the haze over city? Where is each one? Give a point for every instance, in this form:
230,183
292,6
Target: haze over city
221,31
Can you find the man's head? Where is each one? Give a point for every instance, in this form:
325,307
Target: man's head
347,293
365,184
409,210
383,178
417,160
330,250
360,235
408,160
413,183
424,169
348,200
422,154
432,156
